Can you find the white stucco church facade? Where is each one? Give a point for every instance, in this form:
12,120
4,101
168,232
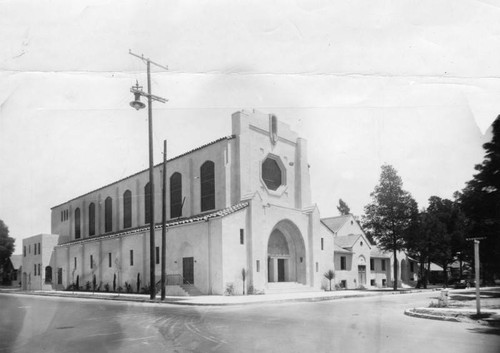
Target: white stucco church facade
240,203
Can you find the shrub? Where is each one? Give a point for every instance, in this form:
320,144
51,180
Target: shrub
87,286
119,289
128,287
229,289
146,289
106,287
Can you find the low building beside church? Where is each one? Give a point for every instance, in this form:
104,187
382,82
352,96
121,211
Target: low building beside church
240,203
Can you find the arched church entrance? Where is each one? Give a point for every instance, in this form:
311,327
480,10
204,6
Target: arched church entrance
286,255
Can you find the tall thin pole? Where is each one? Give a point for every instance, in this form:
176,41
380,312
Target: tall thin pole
476,265
152,279
164,220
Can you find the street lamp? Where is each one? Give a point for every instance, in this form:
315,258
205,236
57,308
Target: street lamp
137,104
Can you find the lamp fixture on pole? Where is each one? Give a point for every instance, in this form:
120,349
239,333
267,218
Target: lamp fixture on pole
137,104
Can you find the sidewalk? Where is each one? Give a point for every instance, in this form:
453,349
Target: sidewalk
220,300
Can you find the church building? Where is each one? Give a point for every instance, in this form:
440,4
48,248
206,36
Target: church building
240,204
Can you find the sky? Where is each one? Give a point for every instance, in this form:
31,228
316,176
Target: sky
414,84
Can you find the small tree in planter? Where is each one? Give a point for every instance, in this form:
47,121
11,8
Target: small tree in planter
330,275
243,277
114,282
138,282
94,283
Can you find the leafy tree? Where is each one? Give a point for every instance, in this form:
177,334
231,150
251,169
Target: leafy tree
390,215
343,208
420,242
480,202
6,244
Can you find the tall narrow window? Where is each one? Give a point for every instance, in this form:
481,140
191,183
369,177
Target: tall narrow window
34,269
131,257
242,236
383,264
372,264
92,219
207,180
108,214
77,224
343,264
109,260
39,269
75,262
127,209
147,203
59,275
175,195
157,254
322,244
91,261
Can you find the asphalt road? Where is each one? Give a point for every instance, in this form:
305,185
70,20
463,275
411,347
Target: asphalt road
47,324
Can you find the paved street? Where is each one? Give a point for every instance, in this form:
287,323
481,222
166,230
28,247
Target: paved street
371,324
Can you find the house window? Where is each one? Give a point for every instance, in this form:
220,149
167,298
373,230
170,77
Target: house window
384,283
176,195
75,262
127,209
131,257
77,224
24,251
92,219
147,203
48,274
91,261
34,269
372,264
271,174
39,249
39,269
322,243
29,249
109,260
412,268
372,283
343,283
59,275
207,183
343,263
258,265
242,236
108,215
157,255
383,264
34,250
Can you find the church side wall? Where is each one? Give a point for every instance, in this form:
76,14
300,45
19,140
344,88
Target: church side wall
234,256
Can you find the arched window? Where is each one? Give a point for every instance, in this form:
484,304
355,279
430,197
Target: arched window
92,219
127,209
147,203
207,181
108,215
176,195
48,274
77,224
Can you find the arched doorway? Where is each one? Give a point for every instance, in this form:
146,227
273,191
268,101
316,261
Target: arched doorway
286,255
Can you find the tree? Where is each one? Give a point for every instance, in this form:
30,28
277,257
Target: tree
6,244
343,208
390,215
329,275
449,237
480,202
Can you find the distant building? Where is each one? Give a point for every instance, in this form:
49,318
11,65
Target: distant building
38,262
10,273
358,263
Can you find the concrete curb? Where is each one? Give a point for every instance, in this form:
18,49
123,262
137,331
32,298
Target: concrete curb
195,303
413,313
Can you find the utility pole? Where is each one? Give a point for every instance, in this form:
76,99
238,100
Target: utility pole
476,267
137,104
164,220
